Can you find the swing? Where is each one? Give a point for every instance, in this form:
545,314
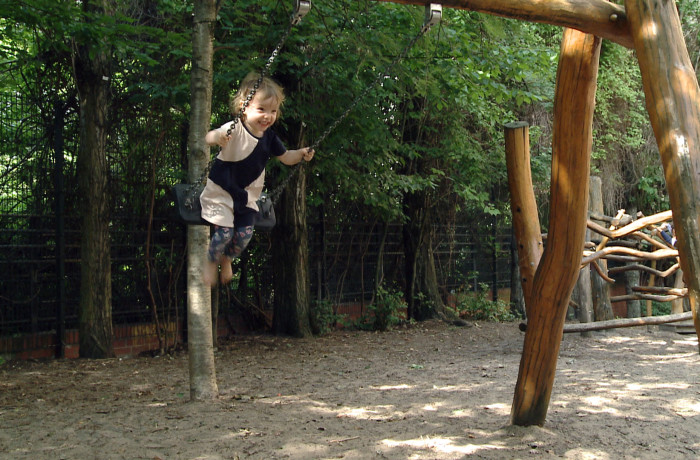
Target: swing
186,196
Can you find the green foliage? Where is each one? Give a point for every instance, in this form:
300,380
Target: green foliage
384,313
625,155
323,317
651,191
660,308
479,308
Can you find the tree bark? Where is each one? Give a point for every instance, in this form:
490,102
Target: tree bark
583,293
526,221
517,297
199,324
678,283
673,102
291,262
427,301
422,290
627,322
92,67
559,267
634,306
600,289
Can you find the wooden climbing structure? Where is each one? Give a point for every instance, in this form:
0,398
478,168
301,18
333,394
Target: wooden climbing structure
652,28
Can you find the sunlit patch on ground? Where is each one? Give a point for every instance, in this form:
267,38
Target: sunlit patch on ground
393,387
686,407
586,454
364,413
440,445
597,405
654,386
499,408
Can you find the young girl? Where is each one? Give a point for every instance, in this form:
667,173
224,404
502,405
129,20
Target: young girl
237,174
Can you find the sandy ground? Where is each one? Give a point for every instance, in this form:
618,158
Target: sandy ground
431,391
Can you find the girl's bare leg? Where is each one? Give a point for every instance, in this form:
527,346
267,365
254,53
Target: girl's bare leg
220,240
226,270
210,269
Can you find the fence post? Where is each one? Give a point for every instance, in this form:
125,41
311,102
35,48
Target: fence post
60,211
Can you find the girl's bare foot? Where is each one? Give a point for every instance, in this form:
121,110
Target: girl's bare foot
210,269
226,270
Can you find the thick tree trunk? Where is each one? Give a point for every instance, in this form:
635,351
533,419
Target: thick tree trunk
291,261
673,102
559,267
422,291
199,324
428,303
92,74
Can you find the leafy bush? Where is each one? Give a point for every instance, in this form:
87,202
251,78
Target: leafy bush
323,317
383,314
478,307
660,308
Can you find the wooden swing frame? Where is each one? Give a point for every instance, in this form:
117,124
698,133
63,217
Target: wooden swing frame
652,28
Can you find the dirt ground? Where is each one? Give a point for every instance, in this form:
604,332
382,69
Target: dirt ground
430,391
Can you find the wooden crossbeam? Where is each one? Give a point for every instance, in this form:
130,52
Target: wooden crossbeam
596,17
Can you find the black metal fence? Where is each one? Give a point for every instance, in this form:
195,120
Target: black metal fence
40,230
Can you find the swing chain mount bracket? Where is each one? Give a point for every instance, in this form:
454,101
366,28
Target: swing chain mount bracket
301,8
433,15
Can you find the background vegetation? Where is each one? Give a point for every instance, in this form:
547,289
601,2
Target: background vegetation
423,147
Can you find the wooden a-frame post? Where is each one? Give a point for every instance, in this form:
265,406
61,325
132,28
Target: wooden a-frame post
673,102
526,221
652,28
556,275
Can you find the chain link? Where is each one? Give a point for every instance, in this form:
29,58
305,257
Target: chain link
385,73
365,92
195,189
274,194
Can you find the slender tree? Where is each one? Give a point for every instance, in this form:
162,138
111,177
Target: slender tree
199,324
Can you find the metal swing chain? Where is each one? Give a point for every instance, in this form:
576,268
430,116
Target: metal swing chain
300,10
433,15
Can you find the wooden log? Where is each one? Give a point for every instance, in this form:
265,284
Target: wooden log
617,323
626,219
596,17
652,281
574,102
658,298
641,255
631,228
626,322
600,281
605,239
678,283
644,237
673,102
652,270
526,221
662,289
601,273
583,291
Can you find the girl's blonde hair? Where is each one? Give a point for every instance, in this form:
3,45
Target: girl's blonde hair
268,88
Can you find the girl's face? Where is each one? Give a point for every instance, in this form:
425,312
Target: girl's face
261,114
